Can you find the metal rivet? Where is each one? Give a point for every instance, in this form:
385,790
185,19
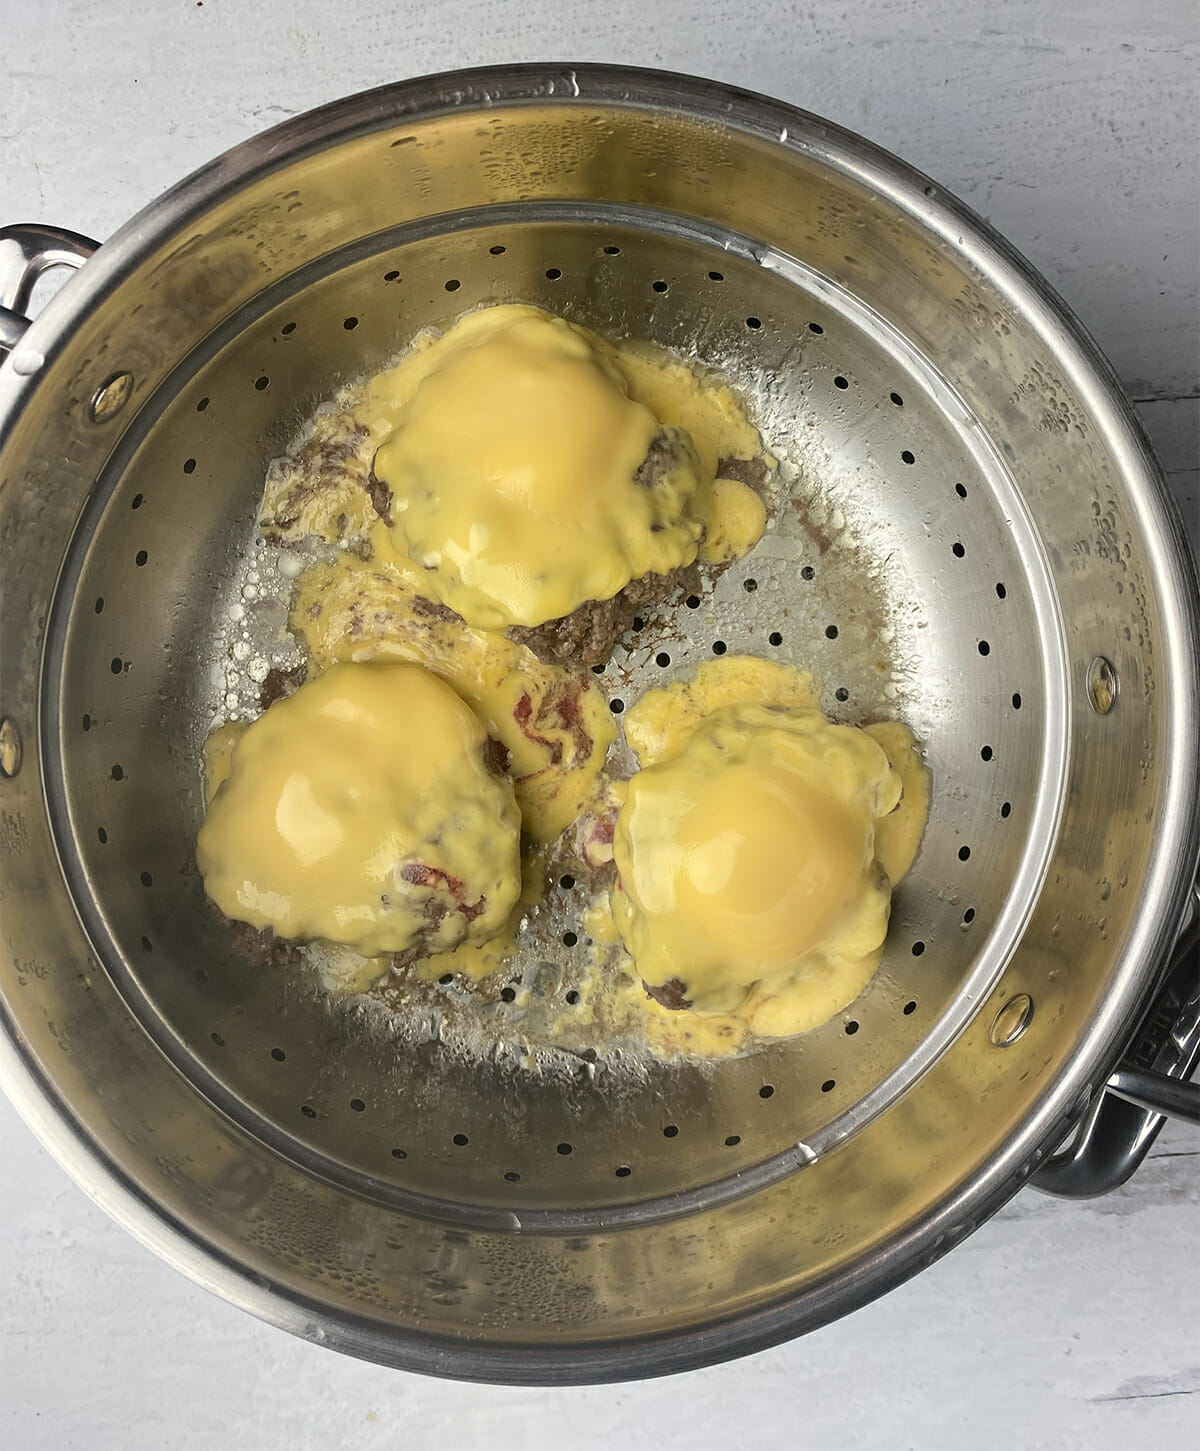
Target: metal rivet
10,747
111,397
1102,685
1012,1020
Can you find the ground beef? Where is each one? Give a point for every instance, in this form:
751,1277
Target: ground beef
380,496
671,994
662,456
279,684
259,946
587,635
749,471
496,756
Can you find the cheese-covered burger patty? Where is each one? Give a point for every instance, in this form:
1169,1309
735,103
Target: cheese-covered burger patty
365,810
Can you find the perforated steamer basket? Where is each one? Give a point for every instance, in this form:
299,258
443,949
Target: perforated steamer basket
974,539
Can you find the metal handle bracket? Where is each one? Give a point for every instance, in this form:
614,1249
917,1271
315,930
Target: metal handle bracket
26,251
1151,1081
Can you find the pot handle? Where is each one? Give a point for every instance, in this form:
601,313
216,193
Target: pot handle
1151,1081
26,251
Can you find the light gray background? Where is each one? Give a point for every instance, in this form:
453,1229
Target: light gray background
1075,128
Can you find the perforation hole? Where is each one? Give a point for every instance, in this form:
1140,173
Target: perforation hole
87,722
909,1009
623,1172
512,1176
616,706
1006,809
116,664
99,605
146,879
918,949
498,250
461,1140
569,939
896,399
815,327
968,916
566,883
392,276
357,1105
958,549
508,995
767,1090
350,323
986,753
831,632
1016,700
572,997
290,327
140,558
399,1154
137,501
964,853
102,836
842,694
719,647
611,251
716,277
662,659
808,572
307,1110
749,585
201,406
261,384
840,382
984,648
452,284
753,323
1001,592
732,1140
851,1028
147,945
117,772
692,602
961,490
907,456
278,1054
553,273
829,1085
217,1039
774,638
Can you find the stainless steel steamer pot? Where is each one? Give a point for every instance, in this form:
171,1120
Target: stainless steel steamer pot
976,539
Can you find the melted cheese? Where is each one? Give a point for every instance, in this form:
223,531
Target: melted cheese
659,725
556,726
751,851
512,470
360,811
809,793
